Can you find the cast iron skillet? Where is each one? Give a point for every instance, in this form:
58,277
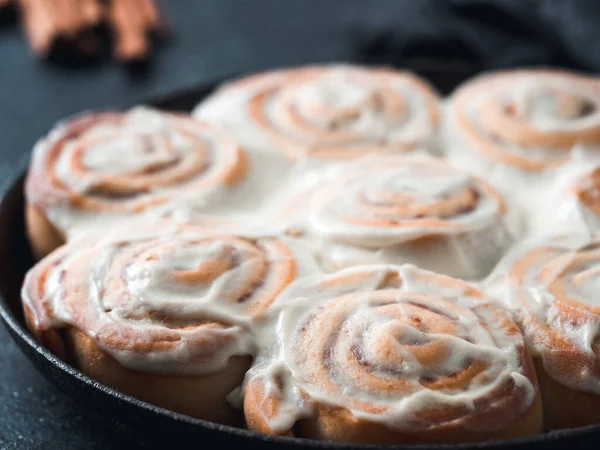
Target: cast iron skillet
156,426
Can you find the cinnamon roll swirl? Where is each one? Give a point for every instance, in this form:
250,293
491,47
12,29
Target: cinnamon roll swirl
530,120
101,166
164,312
331,112
389,354
553,288
397,209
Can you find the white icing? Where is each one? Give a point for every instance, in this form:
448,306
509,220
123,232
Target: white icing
345,99
417,194
133,152
287,372
570,264
537,196
533,99
338,104
133,295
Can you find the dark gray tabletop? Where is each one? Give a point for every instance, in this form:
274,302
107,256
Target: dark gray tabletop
213,38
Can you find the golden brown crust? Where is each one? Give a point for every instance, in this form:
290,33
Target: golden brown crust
50,338
201,396
565,407
549,286
338,424
43,236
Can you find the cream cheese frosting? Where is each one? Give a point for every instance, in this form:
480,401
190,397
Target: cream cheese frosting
168,297
334,111
391,344
551,285
101,168
333,163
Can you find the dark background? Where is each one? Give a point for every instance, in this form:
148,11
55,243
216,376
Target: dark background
213,38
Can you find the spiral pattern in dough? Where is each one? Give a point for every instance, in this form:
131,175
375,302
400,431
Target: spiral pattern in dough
394,345
390,200
126,163
331,112
528,119
553,287
173,298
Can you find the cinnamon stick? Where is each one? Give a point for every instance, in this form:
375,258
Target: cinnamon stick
130,35
45,21
90,15
40,24
69,22
151,15
91,12
132,20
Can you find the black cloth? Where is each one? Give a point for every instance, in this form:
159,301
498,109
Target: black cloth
213,38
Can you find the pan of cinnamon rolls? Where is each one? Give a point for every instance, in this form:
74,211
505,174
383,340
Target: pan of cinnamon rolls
323,255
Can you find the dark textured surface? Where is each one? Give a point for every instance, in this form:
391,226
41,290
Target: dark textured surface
217,37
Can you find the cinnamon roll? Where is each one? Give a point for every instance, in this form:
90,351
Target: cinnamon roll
399,209
164,312
553,288
529,120
100,167
387,354
330,111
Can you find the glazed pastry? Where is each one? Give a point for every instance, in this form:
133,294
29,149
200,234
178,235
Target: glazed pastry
529,120
100,168
329,111
552,286
164,312
399,209
387,354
